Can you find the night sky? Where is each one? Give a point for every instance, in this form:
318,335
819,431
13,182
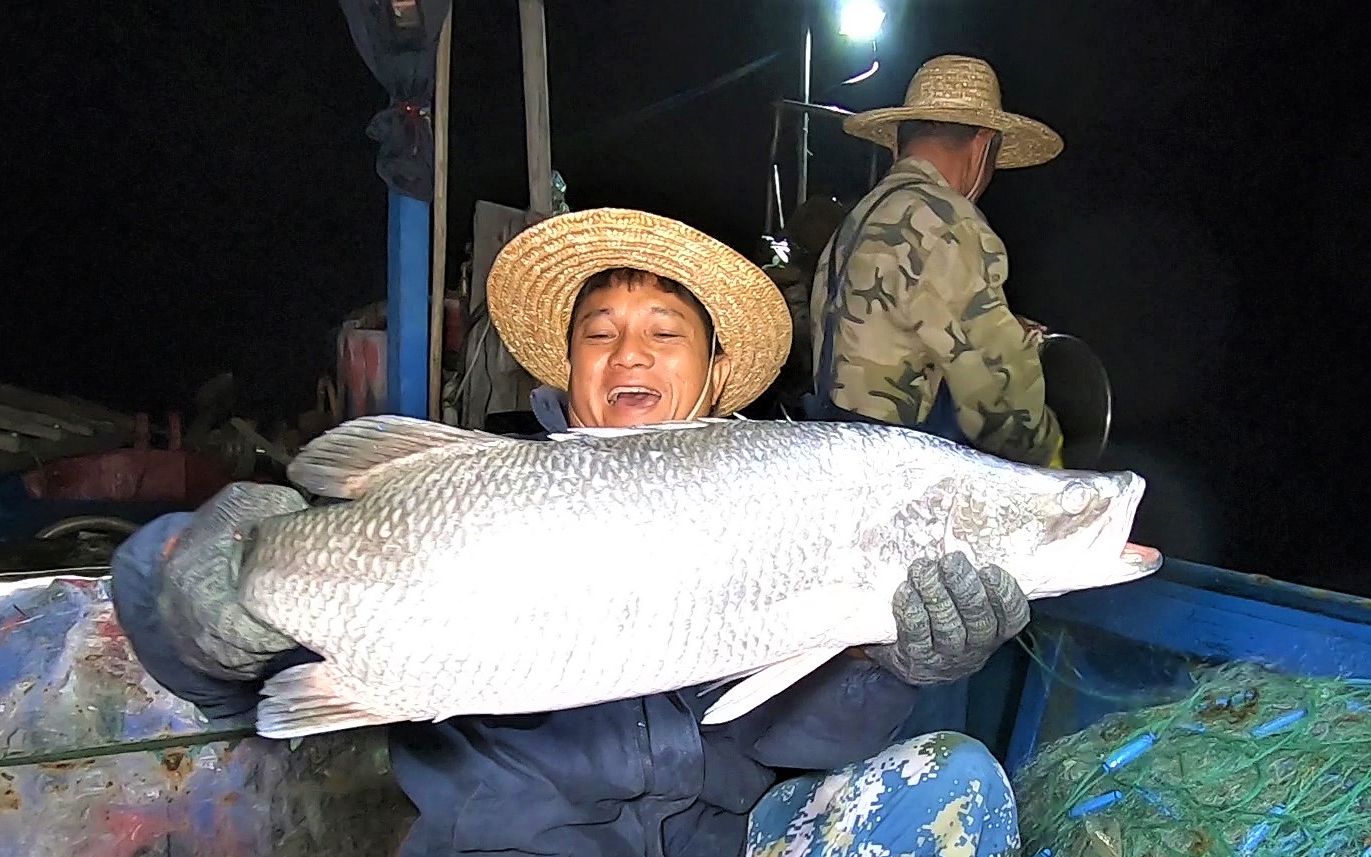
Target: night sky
189,190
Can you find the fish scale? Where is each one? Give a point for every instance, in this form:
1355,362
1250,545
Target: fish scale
474,574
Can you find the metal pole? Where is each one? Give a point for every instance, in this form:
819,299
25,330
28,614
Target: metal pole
802,181
780,209
438,284
773,185
537,125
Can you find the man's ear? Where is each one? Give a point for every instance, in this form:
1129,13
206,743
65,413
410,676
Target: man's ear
718,376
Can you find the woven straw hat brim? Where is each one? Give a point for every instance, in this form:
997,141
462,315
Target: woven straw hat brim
1027,142
536,277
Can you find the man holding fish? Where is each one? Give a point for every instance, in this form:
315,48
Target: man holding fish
628,319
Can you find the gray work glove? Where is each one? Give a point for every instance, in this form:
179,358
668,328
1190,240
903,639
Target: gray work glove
950,618
198,604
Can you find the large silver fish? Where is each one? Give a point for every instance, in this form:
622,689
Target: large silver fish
476,574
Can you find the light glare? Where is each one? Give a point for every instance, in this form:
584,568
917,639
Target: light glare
860,19
875,67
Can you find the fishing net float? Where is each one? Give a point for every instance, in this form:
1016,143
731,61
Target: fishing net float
1251,763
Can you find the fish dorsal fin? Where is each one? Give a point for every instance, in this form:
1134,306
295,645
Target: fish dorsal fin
587,432
348,461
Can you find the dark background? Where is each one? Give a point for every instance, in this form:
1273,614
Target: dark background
189,190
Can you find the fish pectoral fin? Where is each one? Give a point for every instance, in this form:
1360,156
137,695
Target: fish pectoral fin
350,460
764,684
303,701
728,679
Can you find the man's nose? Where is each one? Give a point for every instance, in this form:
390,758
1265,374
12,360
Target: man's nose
631,351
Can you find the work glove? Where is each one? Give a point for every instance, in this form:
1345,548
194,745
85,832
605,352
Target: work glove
950,618
186,567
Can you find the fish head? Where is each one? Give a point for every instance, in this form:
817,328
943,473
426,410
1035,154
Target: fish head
1055,531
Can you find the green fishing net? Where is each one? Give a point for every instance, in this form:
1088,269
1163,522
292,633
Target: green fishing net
1251,762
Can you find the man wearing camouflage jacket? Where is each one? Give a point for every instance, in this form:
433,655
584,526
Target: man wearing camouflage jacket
909,319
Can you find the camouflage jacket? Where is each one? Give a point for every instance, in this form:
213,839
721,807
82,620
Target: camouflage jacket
922,302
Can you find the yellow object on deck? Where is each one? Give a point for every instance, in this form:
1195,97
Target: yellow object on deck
1056,461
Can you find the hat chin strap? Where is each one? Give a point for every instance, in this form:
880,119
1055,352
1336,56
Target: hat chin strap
709,378
976,188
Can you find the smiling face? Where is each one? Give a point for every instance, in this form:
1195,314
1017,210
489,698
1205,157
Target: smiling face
639,352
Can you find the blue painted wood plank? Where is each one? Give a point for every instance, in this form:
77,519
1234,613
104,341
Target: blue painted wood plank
1033,706
1262,588
1214,625
407,299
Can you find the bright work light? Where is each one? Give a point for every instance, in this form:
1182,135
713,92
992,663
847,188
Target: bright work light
860,19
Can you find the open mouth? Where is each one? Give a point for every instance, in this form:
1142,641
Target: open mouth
1138,559
634,398
1142,557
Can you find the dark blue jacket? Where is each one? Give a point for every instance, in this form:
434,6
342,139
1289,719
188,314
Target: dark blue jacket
634,777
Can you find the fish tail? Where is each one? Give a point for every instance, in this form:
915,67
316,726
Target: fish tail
305,700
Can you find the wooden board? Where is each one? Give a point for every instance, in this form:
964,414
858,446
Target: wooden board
36,428
497,382
67,407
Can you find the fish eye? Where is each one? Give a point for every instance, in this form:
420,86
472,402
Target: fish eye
1076,497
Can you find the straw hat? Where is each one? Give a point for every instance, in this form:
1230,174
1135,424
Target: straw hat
537,276
953,88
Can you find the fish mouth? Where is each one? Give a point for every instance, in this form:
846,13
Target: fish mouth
633,396
1141,558
1136,560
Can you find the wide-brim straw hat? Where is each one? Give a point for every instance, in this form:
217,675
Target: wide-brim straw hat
536,277
954,88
